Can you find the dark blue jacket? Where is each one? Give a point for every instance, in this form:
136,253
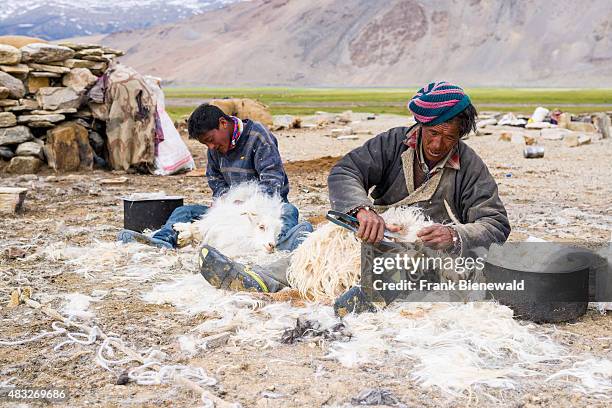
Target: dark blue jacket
255,158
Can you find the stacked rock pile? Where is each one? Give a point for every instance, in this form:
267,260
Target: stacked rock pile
43,104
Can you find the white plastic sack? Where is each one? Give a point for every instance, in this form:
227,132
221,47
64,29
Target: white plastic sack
172,153
539,114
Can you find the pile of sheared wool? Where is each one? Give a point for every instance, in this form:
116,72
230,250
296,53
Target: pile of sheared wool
121,261
327,263
594,377
478,344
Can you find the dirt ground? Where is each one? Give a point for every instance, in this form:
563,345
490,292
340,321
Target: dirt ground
565,197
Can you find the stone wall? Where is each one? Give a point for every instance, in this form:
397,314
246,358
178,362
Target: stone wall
44,115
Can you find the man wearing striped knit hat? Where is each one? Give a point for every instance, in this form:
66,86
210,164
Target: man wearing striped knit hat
427,165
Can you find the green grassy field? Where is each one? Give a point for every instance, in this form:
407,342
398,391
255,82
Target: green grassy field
306,101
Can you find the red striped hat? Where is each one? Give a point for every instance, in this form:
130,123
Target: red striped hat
437,103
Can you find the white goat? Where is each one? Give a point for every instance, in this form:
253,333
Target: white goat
327,263
244,221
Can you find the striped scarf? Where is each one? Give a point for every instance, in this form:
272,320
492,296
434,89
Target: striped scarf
238,127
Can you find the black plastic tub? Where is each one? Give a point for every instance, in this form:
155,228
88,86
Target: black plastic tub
558,293
141,212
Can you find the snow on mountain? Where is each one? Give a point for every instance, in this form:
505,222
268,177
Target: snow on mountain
55,19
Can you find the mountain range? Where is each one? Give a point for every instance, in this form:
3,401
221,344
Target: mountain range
55,19
509,43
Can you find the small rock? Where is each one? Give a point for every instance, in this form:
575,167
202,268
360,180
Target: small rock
53,112
67,148
12,253
15,135
345,117
9,55
554,134
79,63
341,131
581,127
602,123
58,98
4,92
24,165
6,153
576,140
89,51
37,74
15,86
7,119
40,118
48,68
108,50
11,199
123,379
24,105
99,58
119,180
529,140
79,79
31,149
348,137
282,122
8,103
41,52
539,125
486,122
271,395
19,69
78,46
34,84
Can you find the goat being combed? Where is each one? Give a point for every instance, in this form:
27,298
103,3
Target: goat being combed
327,263
244,221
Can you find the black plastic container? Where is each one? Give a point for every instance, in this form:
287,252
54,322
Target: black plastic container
559,294
140,214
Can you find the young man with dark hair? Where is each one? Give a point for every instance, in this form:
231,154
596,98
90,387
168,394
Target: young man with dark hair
239,151
426,165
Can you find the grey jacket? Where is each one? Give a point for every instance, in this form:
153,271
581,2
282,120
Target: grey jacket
385,163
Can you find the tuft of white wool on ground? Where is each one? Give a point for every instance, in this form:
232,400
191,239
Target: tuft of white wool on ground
594,377
118,261
77,306
327,263
244,221
480,345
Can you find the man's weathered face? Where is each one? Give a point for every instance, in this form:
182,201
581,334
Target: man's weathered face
217,139
438,140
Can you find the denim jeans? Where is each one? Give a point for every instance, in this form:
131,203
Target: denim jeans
293,232
291,236
185,213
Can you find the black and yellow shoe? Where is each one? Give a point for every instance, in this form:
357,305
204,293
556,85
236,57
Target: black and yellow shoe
223,273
